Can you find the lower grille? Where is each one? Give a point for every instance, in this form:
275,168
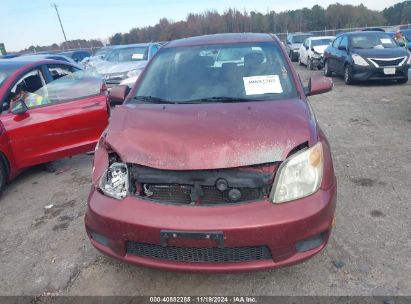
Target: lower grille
180,194
387,62
199,255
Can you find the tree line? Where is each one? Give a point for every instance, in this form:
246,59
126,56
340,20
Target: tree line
317,18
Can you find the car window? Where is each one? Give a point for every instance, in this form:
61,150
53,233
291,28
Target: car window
69,84
372,41
324,41
26,88
299,38
255,71
307,43
128,54
336,42
344,42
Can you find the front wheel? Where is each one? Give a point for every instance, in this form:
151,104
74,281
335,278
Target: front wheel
348,75
327,71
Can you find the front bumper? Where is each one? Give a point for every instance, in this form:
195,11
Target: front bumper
277,227
373,73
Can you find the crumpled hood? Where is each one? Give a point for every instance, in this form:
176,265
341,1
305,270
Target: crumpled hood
320,48
107,67
209,136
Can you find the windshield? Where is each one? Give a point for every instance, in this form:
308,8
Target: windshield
372,41
325,41
128,54
192,75
299,38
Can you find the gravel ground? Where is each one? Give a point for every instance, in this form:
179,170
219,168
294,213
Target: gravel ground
46,251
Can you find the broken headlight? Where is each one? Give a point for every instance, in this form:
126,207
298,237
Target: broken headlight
299,176
115,181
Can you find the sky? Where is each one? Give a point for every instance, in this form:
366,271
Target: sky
34,22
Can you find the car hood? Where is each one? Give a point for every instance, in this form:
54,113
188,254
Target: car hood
320,48
382,53
107,67
209,136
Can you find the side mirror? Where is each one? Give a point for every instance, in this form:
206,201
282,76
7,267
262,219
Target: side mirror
342,48
306,47
312,49
318,85
401,43
118,94
19,107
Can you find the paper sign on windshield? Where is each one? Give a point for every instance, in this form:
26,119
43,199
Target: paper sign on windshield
137,56
267,84
385,41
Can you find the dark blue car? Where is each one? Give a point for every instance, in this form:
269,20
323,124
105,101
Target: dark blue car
362,56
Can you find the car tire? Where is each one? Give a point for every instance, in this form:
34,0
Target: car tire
3,176
403,80
327,71
348,74
310,65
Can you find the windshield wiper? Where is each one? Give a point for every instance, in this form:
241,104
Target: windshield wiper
152,99
219,99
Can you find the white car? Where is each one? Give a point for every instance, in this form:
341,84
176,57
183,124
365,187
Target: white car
312,51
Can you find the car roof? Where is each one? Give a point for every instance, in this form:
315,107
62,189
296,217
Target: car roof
322,37
34,57
18,62
362,33
124,46
220,39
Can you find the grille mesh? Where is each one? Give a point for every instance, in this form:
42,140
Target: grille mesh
199,255
384,63
180,194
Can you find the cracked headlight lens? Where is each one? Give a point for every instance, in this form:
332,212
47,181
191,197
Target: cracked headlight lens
114,182
299,176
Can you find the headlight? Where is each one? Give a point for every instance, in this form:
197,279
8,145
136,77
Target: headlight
358,60
133,73
299,176
114,181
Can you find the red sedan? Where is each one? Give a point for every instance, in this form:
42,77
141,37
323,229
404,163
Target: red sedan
215,162
49,110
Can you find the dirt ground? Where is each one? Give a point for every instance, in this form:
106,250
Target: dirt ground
46,251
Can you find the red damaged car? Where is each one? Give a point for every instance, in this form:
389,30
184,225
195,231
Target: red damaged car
215,161
49,110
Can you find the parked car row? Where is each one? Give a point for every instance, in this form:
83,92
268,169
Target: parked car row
370,54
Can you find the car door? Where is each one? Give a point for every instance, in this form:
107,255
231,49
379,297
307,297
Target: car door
66,113
332,54
342,53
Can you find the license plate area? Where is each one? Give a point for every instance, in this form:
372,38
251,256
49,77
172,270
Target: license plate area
389,71
217,236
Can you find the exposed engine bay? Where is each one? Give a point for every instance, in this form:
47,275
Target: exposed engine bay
203,187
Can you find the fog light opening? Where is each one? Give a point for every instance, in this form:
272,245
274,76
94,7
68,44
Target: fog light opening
101,239
311,243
